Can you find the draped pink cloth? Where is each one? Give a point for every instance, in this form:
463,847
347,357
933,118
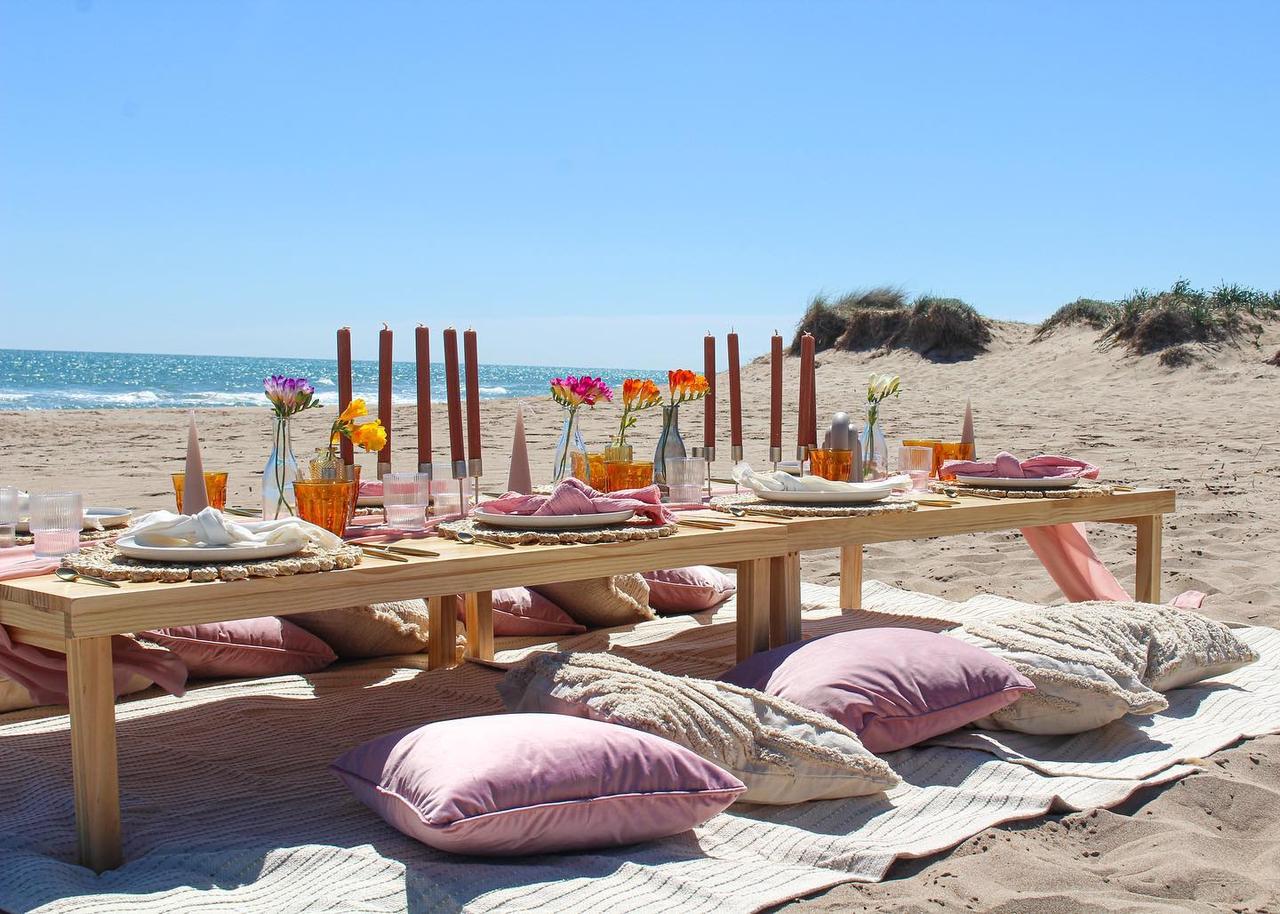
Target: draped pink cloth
573,496
1007,466
22,562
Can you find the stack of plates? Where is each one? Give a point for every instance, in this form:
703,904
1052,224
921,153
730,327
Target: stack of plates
105,518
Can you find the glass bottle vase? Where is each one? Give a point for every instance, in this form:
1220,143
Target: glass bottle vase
571,449
875,449
278,499
670,445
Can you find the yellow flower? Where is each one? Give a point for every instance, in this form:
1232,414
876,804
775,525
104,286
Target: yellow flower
370,436
355,409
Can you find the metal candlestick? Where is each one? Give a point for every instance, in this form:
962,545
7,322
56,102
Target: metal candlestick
775,457
459,470
475,469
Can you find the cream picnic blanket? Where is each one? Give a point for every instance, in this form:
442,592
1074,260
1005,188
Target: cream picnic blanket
228,805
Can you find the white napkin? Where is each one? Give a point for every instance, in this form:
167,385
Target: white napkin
779,481
213,528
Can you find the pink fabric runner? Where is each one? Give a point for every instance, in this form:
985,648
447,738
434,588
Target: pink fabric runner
573,496
22,562
1007,466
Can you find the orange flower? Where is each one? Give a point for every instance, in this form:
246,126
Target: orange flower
683,385
639,393
370,436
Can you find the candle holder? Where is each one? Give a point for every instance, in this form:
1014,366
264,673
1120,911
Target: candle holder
475,469
736,453
775,456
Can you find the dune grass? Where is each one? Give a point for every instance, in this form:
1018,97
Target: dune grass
1177,356
1089,312
1150,322
883,318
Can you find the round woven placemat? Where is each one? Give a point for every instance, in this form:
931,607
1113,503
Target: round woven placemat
105,561
1079,490
890,505
618,533
87,536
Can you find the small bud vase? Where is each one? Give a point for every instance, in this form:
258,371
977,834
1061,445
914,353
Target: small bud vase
670,445
571,449
875,449
278,499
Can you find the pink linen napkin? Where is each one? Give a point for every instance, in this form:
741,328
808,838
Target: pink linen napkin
573,496
370,489
1007,466
22,562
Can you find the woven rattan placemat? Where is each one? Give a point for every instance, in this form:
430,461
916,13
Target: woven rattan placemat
517,536
105,561
1079,490
890,505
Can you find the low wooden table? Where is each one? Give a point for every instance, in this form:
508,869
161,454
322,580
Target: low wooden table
79,619
1143,509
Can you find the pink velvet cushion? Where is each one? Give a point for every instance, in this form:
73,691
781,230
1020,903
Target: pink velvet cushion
892,686
520,611
688,590
533,783
267,646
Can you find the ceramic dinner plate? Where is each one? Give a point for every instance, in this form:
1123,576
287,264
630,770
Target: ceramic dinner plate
552,522
1006,482
106,517
248,552
825,498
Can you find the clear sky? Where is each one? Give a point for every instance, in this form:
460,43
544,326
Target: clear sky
601,183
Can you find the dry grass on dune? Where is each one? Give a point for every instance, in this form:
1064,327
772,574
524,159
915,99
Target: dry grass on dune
1150,322
1089,312
940,329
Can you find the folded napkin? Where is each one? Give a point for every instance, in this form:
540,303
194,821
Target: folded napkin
1007,466
781,481
573,496
370,489
213,528
22,562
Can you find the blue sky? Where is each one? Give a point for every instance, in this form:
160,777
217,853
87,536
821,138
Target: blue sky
583,179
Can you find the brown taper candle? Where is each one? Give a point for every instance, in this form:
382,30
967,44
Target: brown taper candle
473,402
735,399
453,396
709,401
344,390
422,353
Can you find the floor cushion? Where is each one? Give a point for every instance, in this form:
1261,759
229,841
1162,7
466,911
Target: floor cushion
378,630
893,687
782,752
266,646
519,611
602,602
688,590
533,783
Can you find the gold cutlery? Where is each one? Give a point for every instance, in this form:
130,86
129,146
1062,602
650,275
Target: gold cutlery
471,539
382,554
66,574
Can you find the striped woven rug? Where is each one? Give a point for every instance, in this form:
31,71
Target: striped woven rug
228,805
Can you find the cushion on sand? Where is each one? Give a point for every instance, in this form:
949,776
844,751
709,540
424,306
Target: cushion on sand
267,646
379,630
533,783
14,697
602,602
893,687
782,752
688,590
1086,660
519,611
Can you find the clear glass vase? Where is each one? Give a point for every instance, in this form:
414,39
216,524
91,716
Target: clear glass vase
875,450
571,449
278,499
670,445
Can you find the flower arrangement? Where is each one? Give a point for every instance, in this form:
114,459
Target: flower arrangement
683,386
638,394
880,387
571,392
355,423
289,396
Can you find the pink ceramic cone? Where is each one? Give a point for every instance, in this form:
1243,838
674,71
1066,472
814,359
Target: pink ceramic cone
194,497
519,479
966,433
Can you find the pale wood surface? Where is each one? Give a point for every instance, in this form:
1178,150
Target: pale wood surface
91,698
753,607
1150,538
784,599
851,576
442,637
480,625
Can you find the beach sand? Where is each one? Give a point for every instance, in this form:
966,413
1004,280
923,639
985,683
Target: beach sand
1211,431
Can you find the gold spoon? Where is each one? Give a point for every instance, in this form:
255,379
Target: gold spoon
466,536
382,554
739,511
66,574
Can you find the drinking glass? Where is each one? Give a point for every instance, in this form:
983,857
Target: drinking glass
405,497
685,479
8,515
447,503
950,450
931,444
917,462
831,463
215,489
325,502
56,520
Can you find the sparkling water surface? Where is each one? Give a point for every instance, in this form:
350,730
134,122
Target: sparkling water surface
42,379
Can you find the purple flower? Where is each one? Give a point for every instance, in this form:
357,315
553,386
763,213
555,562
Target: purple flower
289,395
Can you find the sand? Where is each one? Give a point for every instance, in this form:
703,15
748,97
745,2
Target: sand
1211,431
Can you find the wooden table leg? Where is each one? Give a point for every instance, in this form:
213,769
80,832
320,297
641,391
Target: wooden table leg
784,599
91,697
442,634
851,576
1150,541
479,608
753,607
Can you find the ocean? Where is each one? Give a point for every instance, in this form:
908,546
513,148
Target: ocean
41,379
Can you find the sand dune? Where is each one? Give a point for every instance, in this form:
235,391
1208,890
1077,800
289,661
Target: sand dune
1211,431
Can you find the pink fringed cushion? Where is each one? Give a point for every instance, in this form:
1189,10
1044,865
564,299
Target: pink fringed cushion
533,783
688,590
520,611
268,646
894,687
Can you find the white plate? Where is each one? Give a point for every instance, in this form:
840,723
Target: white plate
107,517
825,498
246,553
1006,482
553,522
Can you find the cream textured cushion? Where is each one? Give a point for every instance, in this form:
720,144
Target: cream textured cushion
379,630
1092,663
15,697
782,752
602,602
